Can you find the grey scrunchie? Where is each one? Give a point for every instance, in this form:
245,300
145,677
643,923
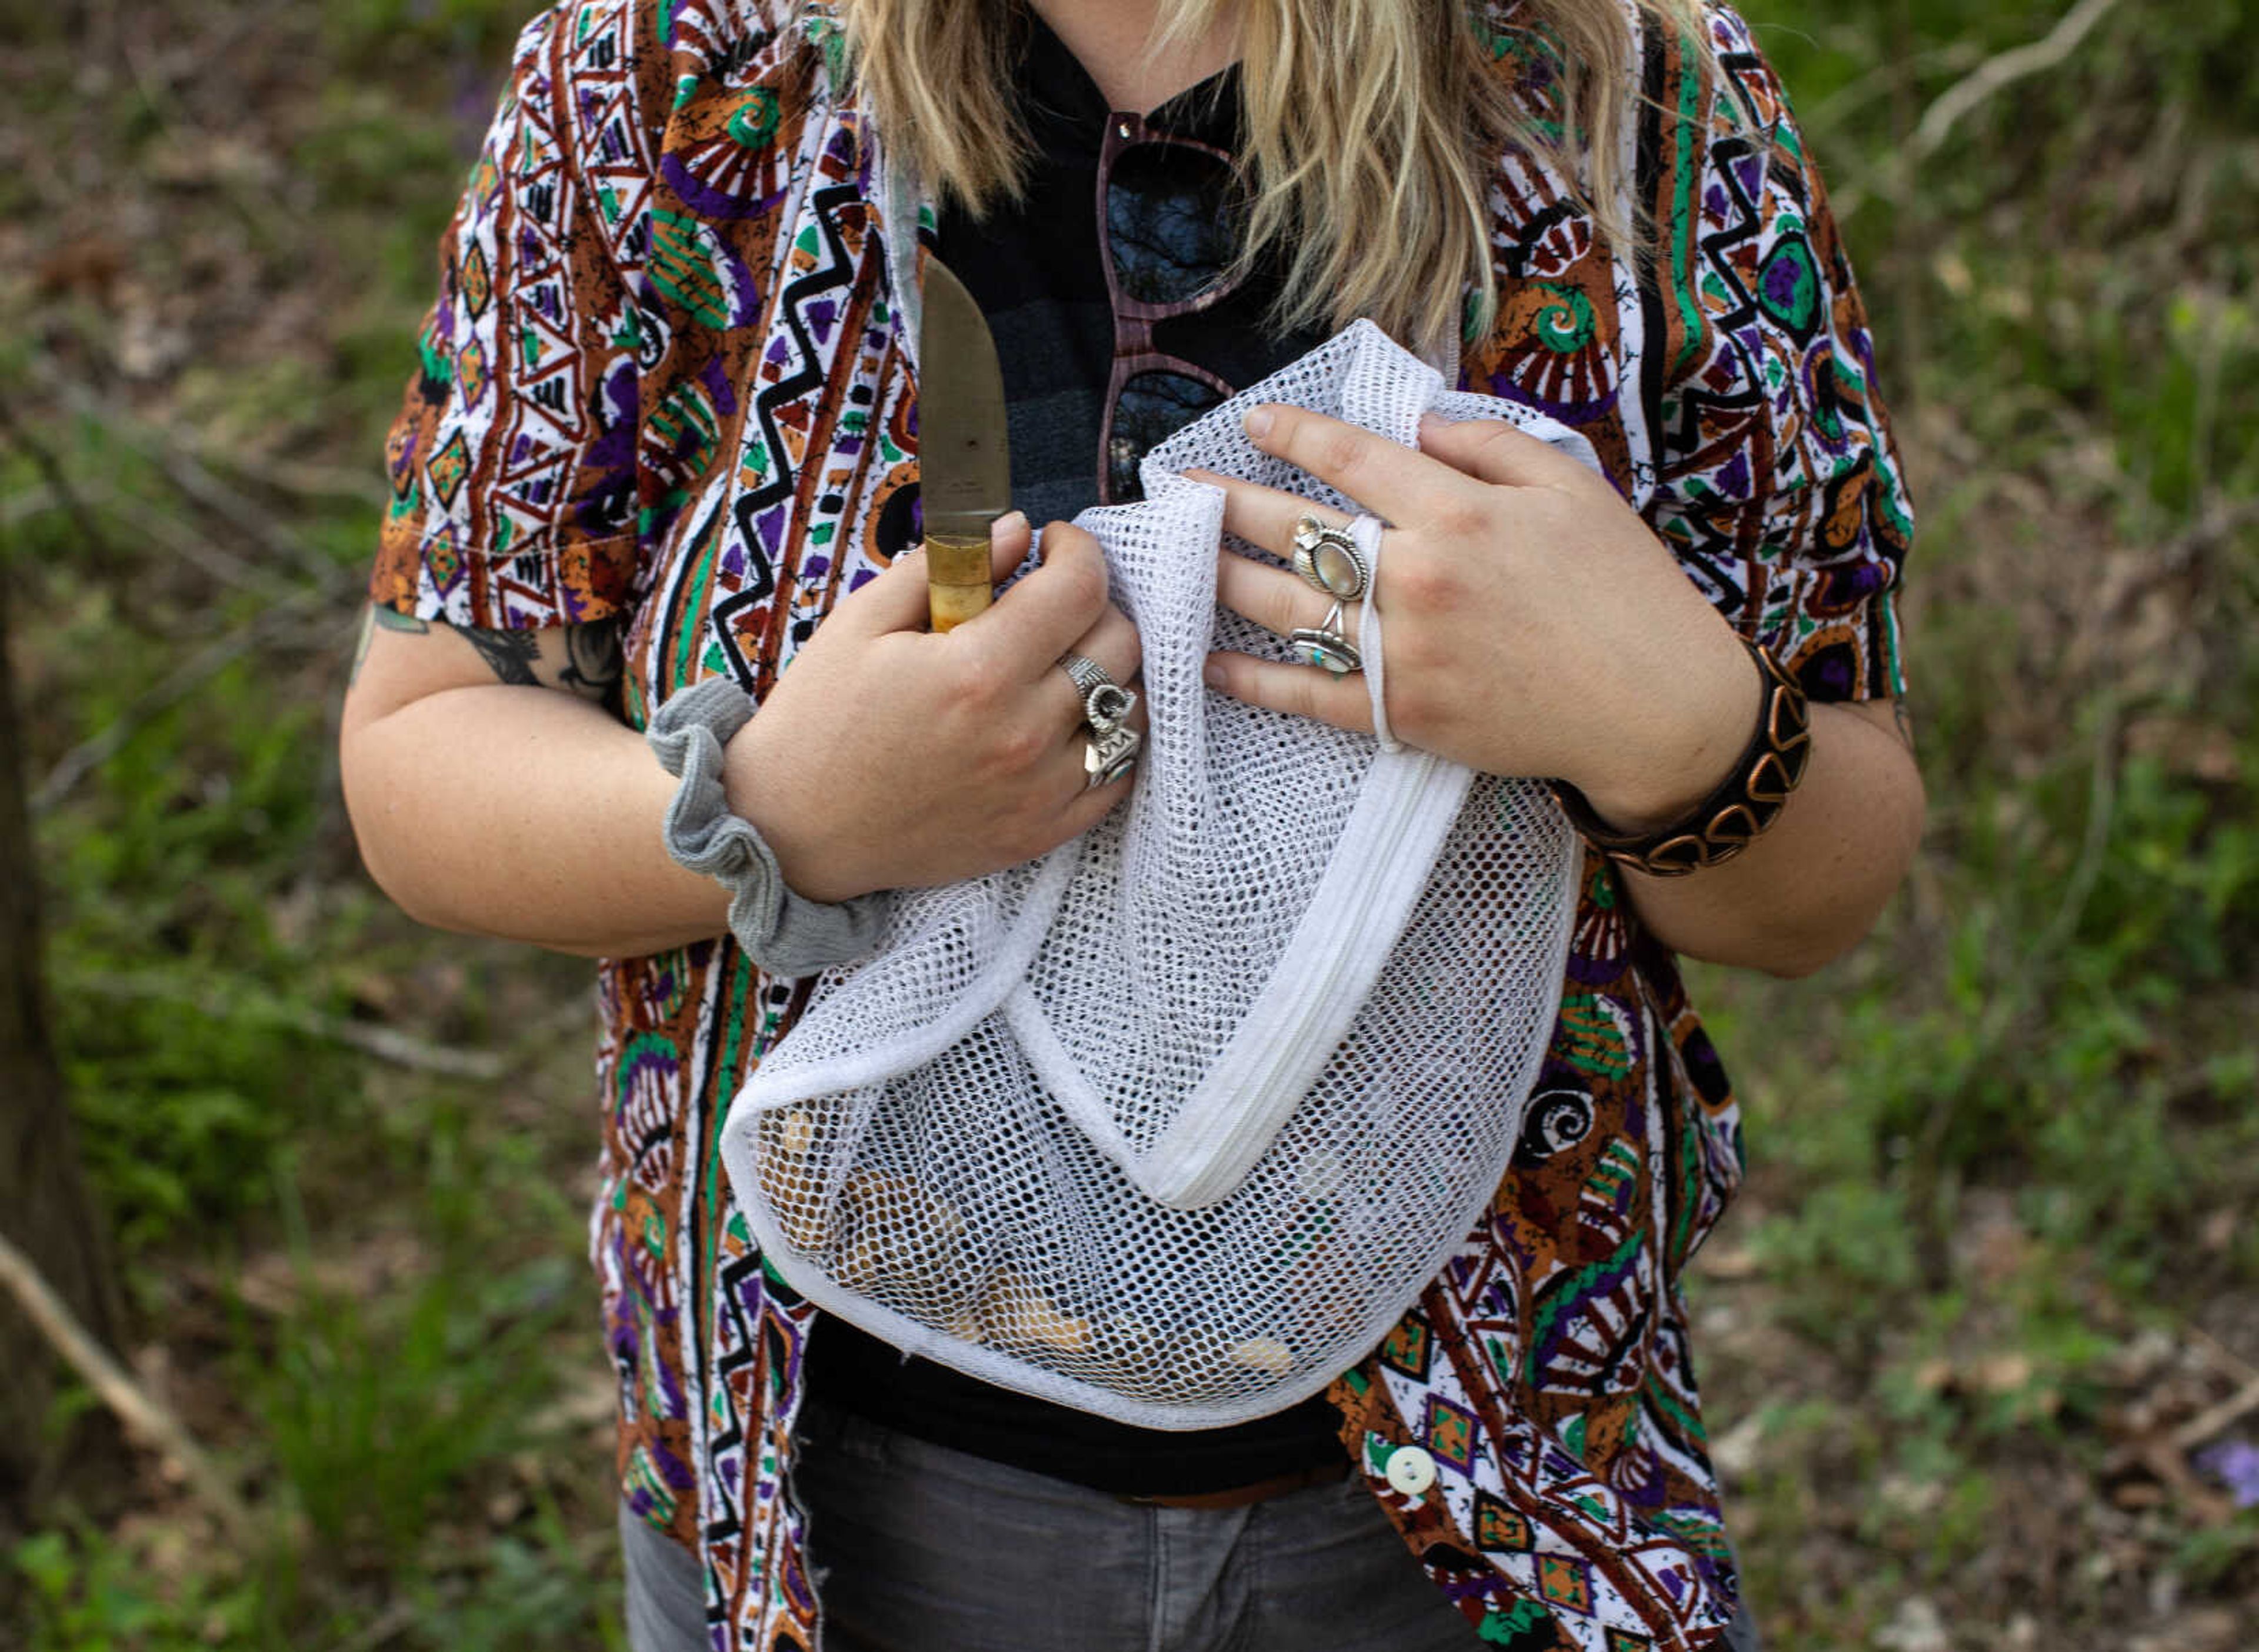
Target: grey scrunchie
783,934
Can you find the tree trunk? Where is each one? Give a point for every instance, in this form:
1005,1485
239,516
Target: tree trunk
45,1204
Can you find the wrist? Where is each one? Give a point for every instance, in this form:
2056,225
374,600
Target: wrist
1692,737
759,791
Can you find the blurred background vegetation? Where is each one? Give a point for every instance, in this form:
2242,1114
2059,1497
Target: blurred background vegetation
1983,1338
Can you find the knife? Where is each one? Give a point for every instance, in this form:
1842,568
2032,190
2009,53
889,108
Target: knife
964,448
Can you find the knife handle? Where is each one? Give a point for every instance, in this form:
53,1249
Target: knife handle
956,579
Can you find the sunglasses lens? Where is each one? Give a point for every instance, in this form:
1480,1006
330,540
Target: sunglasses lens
1153,406
1168,219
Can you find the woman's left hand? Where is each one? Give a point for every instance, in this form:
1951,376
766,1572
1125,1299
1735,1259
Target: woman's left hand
1534,625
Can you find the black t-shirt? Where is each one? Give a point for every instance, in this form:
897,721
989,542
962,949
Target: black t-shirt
1035,269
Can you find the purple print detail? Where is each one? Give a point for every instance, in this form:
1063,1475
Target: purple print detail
861,577
1782,277
822,315
716,378
1734,480
710,198
815,568
733,559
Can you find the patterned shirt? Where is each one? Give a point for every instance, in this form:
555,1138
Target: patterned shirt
669,380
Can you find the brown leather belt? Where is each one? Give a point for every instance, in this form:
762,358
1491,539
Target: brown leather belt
1241,1496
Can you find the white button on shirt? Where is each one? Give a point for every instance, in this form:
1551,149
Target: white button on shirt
1411,1470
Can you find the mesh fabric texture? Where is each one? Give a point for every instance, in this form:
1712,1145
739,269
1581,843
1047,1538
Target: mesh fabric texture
1172,1124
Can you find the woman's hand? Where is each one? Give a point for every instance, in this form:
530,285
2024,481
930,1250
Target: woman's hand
890,757
1534,625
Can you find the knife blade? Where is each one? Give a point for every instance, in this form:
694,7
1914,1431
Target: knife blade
964,448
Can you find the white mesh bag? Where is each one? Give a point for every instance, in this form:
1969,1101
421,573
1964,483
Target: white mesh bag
1172,1124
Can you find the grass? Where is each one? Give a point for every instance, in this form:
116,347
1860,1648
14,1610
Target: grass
1995,1245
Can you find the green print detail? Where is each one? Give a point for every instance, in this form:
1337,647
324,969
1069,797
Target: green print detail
1788,285
1573,1437
1594,1042
1618,1165
687,423
528,345
888,451
1705,1537
654,1233
643,1476
1511,1624
505,536
607,199
823,535
807,242
1571,1289
755,122
631,1057
1565,324
1682,207
683,272
686,88
438,366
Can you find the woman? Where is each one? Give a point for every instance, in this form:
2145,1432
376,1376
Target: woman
666,431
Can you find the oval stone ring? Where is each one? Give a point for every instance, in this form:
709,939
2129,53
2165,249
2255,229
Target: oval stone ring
1328,556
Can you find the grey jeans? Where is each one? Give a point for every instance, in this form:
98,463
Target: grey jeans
920,1548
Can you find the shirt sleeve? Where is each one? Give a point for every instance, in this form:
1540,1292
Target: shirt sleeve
512,462
1779,482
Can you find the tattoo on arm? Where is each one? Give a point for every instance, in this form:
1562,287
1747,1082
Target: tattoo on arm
594,662
375,618
1906,722
510,655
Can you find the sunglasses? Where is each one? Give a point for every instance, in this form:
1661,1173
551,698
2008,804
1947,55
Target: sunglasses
1167,236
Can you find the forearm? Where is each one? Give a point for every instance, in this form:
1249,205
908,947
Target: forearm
1812,887
524,814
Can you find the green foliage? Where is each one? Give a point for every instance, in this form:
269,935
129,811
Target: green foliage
91,1596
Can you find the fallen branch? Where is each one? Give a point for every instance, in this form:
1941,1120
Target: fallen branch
140,1414
96,750
2004,70
2221,1417
386,1043
187,472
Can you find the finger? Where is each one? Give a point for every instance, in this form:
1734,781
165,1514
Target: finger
1037,620
896,600
1495,452
1274,599
1112,645
1265,516
1394,482
1300,691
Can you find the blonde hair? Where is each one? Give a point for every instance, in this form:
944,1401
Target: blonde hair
1371,128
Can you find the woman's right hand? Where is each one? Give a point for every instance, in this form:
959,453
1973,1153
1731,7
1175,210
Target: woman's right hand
890,757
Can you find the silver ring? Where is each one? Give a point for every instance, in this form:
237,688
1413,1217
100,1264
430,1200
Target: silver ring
1325,645
1330,559
1111,754
1106,703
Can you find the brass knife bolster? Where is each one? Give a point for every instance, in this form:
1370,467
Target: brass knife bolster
956,579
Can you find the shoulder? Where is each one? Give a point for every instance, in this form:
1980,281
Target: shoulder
591,64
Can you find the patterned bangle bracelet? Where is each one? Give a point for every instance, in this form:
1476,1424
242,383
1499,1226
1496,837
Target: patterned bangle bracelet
1734,815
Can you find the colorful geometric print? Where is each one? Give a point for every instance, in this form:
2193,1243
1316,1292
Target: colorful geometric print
667,378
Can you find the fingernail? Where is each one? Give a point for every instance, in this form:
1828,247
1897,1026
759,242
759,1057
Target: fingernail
1214,673
1013,521
1259,422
